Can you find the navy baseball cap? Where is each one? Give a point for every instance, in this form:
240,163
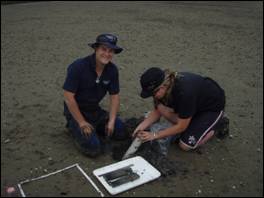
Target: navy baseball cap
109,40
150,80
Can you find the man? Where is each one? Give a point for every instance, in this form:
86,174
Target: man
87,82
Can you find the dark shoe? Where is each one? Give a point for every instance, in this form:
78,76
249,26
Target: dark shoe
222,128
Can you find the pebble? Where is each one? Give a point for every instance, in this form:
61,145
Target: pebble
211,180
234,187
6,141
231,136
199,191
258,150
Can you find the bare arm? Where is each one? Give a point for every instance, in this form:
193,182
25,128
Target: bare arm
75,111
153,117
114,107
181,126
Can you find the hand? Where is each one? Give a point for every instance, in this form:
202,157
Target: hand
86,128
138,129
147,136
109,128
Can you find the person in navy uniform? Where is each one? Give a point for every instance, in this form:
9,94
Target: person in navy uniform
87,82
192,104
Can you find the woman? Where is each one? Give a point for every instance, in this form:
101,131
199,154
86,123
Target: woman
192,104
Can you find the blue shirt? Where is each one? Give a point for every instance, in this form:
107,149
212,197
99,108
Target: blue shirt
88,88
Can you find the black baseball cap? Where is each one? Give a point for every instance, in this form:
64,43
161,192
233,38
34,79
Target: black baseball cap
151,79
109,40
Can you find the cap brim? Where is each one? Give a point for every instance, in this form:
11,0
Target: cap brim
116,48
145,94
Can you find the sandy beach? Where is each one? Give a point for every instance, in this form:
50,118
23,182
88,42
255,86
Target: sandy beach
222,40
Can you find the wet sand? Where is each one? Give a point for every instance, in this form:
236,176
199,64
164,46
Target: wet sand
222,40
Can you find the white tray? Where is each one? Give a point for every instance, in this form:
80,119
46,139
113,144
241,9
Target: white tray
139,165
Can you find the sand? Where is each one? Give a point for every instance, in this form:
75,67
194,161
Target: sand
222,40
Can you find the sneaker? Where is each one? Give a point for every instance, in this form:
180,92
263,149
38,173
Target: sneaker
222,128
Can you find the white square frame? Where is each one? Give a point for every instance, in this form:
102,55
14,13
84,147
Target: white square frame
55,172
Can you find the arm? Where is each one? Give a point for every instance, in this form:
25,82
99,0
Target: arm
175,129
181,126
75,112
114,107
153,117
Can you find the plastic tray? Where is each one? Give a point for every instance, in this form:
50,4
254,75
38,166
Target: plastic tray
138,165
